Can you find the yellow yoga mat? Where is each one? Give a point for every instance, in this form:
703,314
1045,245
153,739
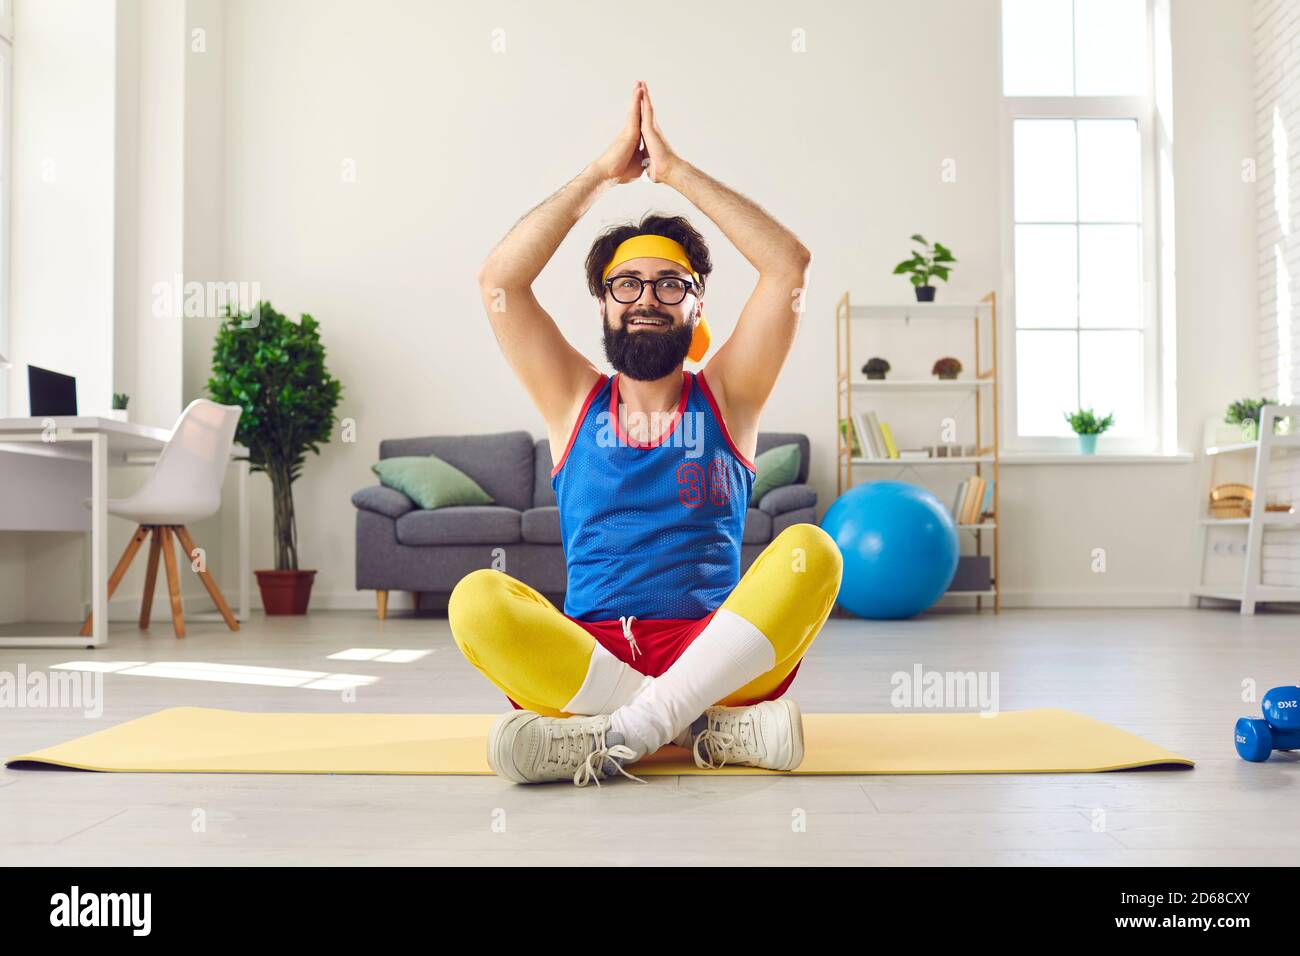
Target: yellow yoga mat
204,740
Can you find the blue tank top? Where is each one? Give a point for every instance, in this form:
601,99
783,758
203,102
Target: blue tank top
651,529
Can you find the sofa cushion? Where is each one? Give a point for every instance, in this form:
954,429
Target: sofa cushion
430,482
788,498
543,493
385,501
758,527
775,468
541,525
470,524
501,463
769,440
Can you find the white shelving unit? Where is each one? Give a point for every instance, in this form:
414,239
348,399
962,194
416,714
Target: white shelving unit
1251,590
984,387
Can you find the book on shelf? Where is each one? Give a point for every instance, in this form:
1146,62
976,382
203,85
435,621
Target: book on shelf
890,447
864,435
850,435
973,500
877,436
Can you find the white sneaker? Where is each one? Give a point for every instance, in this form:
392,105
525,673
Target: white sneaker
768,734
528,748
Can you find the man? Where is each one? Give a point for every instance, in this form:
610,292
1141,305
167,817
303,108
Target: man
660,640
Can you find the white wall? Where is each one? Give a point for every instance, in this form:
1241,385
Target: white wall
61,300
450,143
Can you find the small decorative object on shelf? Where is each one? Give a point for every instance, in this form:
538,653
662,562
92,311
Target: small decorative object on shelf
1245,413
1231,500
1088,426
946,368
875,368
929,261
119,412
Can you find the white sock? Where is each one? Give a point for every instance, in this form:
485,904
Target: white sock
609,684
728,654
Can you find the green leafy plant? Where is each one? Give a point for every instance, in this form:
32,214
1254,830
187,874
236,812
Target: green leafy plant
120,400
875,368
1084,422
274,369
1246,410
927,262
946,368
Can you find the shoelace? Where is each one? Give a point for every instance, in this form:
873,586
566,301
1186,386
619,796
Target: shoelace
715,744
592,766
627,634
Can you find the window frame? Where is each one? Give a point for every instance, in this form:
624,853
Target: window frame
1142,109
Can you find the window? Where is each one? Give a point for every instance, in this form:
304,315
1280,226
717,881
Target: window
1077,95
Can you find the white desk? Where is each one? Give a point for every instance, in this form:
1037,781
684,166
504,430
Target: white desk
43,470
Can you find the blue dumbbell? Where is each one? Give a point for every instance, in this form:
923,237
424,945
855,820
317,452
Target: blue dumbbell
1281,708
1279,729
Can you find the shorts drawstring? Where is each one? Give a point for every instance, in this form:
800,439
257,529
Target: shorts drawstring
627,634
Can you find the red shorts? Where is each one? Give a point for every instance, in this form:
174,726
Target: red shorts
659,644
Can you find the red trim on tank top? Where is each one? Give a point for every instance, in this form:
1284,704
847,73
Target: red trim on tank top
672,426
573,435
708,394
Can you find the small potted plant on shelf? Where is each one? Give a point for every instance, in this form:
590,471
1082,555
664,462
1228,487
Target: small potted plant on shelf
946,368
1088,426
119,413
926,263
1246,414
275,369
876,368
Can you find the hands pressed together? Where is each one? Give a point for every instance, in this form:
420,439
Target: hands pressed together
640,147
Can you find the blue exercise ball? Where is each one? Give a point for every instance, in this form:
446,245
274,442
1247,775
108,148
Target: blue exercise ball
899,545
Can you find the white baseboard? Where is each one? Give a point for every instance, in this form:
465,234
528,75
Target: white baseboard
1091,599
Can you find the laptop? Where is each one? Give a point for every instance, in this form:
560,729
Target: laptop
50,393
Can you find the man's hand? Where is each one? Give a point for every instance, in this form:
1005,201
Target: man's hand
622,162
662,157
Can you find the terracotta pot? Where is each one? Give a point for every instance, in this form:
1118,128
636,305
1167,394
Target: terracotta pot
285,592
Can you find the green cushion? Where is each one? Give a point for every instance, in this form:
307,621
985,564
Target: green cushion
775,467
430,482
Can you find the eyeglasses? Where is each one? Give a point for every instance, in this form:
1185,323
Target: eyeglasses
669,290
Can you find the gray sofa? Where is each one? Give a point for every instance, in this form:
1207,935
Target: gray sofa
406,548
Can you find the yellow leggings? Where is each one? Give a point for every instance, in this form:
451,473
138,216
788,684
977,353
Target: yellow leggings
539,658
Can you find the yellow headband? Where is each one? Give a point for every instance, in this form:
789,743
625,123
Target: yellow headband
661,247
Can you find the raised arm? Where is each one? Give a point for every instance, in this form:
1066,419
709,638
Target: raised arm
556,375
744,369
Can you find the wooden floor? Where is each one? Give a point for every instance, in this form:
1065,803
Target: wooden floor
1172,676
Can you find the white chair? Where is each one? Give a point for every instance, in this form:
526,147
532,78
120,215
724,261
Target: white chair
185,486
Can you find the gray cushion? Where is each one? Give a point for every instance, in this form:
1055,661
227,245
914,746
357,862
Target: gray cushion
787,498
768,440
543,493
758,527
467,524
502,463
541,525
384,501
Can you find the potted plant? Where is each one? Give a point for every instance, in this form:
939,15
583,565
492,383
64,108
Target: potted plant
929,261
1088,426
875,368
1246,414
119,413
946,368
275,369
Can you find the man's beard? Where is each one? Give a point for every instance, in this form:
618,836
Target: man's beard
647,356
